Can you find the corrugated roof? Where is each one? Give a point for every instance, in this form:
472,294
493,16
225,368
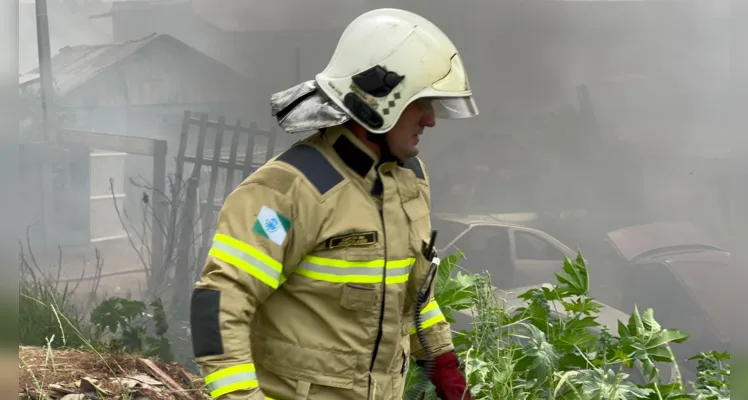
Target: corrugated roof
200,78
76,65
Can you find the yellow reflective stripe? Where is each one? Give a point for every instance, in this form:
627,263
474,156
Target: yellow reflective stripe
228,380
430,316
344,271
396,268
248,259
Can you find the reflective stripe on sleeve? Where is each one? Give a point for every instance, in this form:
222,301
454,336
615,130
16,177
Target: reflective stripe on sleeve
343,271
430,316
248,259
238,377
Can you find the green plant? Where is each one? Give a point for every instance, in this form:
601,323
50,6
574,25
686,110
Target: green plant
553,347
452,294
132,326
43,303
713,382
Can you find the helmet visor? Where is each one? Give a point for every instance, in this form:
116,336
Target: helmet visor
454,107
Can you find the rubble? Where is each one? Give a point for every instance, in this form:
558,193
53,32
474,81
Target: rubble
53,374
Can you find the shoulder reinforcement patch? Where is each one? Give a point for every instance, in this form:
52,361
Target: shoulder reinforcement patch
205,322
277,179
313,164
414,165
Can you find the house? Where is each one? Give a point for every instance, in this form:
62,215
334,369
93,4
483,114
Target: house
142,87
139,88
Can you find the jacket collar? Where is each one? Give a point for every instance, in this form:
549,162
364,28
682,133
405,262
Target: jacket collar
361,160
354,152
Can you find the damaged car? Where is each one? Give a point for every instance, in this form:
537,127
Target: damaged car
677,269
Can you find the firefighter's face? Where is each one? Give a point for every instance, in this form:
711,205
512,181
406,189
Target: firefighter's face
404,136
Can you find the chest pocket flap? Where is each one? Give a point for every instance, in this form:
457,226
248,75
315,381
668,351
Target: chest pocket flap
420,224
413,201
416,208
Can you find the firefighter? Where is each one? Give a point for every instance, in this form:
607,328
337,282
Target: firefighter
309,288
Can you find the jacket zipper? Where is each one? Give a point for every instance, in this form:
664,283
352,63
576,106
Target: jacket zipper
384,287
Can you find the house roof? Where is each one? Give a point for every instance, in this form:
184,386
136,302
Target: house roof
74,66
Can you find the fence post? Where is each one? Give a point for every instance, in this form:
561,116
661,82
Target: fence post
270,149
207,213
186,247
158,219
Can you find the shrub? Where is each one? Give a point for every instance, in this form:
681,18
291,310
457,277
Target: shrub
46,310
131,326
536,352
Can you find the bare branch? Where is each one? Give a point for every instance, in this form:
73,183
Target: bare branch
129,237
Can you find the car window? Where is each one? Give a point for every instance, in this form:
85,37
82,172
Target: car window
485,247
532,247
447,231
480,238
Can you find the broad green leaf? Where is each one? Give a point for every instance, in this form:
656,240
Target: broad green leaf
660,354
666,336
462,339
596,384
723,356
449,314
458,293
671,391
581,323
574,277
571,339
446,267
585,305
650,324
623,330
540,357
528,295
636,326
572,361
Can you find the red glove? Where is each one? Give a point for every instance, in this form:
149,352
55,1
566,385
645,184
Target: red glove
448,379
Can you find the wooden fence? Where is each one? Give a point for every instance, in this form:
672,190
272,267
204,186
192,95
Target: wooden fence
224,155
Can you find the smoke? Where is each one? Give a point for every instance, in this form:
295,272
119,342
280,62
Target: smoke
653,143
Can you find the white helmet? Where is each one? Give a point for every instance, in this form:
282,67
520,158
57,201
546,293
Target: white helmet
388,58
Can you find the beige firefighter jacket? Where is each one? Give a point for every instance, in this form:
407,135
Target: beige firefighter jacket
296,300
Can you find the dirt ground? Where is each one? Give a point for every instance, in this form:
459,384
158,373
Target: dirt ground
79,375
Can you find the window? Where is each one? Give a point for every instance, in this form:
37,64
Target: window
531,247
447,231
485,248
481,238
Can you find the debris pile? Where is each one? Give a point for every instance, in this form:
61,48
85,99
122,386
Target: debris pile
48,374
